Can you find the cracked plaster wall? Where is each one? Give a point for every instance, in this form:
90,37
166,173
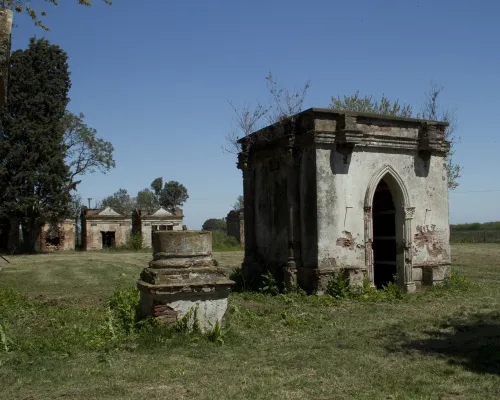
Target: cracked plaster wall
340,205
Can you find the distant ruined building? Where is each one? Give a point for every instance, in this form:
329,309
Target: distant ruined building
57,237
104,228
236,225
145,223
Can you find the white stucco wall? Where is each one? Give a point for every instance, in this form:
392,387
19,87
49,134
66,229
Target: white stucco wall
95,227
147,229
341,197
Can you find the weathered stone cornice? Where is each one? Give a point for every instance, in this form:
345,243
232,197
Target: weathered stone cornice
347,131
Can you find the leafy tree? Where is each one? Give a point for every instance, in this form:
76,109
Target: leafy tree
367,104
215,224
431,111
120,202
238,205
171,195
86,153
34,179
147,200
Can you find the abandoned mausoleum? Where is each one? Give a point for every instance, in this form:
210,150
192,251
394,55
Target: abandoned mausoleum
104,228
145,222
331,192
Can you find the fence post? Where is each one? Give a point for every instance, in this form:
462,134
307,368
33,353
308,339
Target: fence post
484,236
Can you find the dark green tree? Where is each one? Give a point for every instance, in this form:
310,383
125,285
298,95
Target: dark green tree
170,196
215,224
35,182
120,201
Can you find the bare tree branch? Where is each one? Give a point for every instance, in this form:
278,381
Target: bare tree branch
432,110
283,105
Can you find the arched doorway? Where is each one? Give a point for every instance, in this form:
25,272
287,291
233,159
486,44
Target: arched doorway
384,236
388,232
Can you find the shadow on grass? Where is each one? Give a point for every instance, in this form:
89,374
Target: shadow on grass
472,342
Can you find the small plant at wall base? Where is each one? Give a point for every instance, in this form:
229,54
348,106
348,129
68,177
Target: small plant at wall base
239,279
217,334
338,286
269,285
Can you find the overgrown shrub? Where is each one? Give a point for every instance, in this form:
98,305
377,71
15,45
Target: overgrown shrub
338,286
223,242
124,305
457,282
135,241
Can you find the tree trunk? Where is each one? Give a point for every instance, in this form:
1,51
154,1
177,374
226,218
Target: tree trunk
31,234
5,42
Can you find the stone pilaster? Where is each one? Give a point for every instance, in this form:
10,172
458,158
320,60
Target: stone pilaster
409,284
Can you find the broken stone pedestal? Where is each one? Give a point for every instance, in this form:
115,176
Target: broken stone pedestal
183,276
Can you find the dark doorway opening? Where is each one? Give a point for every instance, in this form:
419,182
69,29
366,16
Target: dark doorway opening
108,239
384,236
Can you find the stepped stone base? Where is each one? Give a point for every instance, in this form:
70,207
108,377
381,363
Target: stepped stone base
182,277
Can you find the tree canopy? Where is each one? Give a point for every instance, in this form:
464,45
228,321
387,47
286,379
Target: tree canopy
215,224
119,201
34,180
85,152
170,196
147,200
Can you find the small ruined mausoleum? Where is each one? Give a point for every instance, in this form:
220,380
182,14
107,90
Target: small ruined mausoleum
363,194
58,236
145,223
104,228
236,225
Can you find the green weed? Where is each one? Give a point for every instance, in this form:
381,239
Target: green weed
237,276
125,310
269,285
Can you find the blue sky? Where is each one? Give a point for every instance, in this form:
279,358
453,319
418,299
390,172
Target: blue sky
155,80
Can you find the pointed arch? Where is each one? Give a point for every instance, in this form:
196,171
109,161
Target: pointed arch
396,185
404,215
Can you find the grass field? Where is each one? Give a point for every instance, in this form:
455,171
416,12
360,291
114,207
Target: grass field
438,344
